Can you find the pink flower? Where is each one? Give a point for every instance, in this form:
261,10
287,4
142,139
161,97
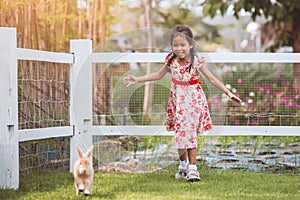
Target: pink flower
240,80
287,84
280,74
261,89
285,98
215,96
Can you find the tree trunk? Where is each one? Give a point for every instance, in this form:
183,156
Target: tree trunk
95,8
55,28
89,19
79,12
148,85
35,21
103,14
65,25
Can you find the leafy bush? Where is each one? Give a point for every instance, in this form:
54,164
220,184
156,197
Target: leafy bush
267,94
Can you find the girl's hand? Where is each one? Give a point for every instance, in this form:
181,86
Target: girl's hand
130,80
234,98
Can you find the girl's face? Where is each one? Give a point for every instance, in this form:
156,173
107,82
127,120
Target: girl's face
181,47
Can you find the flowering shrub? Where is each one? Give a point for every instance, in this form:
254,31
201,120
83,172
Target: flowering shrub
268,99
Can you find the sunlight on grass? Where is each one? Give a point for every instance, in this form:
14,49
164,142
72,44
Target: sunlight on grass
221,184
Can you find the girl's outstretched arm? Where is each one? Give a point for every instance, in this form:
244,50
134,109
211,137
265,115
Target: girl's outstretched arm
218,84
132,80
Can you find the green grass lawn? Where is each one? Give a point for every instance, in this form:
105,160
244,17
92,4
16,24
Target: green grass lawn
213,185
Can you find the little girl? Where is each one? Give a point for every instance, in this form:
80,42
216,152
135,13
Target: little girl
187,112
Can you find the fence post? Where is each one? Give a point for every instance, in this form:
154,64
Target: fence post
9,138
80,97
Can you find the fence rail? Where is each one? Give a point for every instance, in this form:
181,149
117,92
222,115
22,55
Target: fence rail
129,57
45,56
217,131
44,133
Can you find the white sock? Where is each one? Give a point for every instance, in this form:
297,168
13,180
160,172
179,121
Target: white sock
193,167
183,164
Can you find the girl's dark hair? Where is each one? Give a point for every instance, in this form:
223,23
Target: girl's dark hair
185,31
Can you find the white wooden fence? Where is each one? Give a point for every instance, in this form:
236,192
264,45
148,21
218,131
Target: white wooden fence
81,129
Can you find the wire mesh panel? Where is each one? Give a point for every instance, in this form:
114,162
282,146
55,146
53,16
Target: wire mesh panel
266,90
115,104
43,101
48,154
43,94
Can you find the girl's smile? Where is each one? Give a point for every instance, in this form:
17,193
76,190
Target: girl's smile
181,47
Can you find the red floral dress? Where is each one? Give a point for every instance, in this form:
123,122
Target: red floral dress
187,114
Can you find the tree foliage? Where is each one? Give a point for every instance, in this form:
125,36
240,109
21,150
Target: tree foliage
282,15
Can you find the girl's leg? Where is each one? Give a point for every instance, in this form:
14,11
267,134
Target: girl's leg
182,154
192,153
183,164
192,174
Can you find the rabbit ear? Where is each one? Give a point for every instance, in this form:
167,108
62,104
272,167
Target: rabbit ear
79,150
89,152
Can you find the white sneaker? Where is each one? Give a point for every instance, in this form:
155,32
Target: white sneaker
181,173
193,175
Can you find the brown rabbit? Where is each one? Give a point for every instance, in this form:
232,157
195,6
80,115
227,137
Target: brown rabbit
83,172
